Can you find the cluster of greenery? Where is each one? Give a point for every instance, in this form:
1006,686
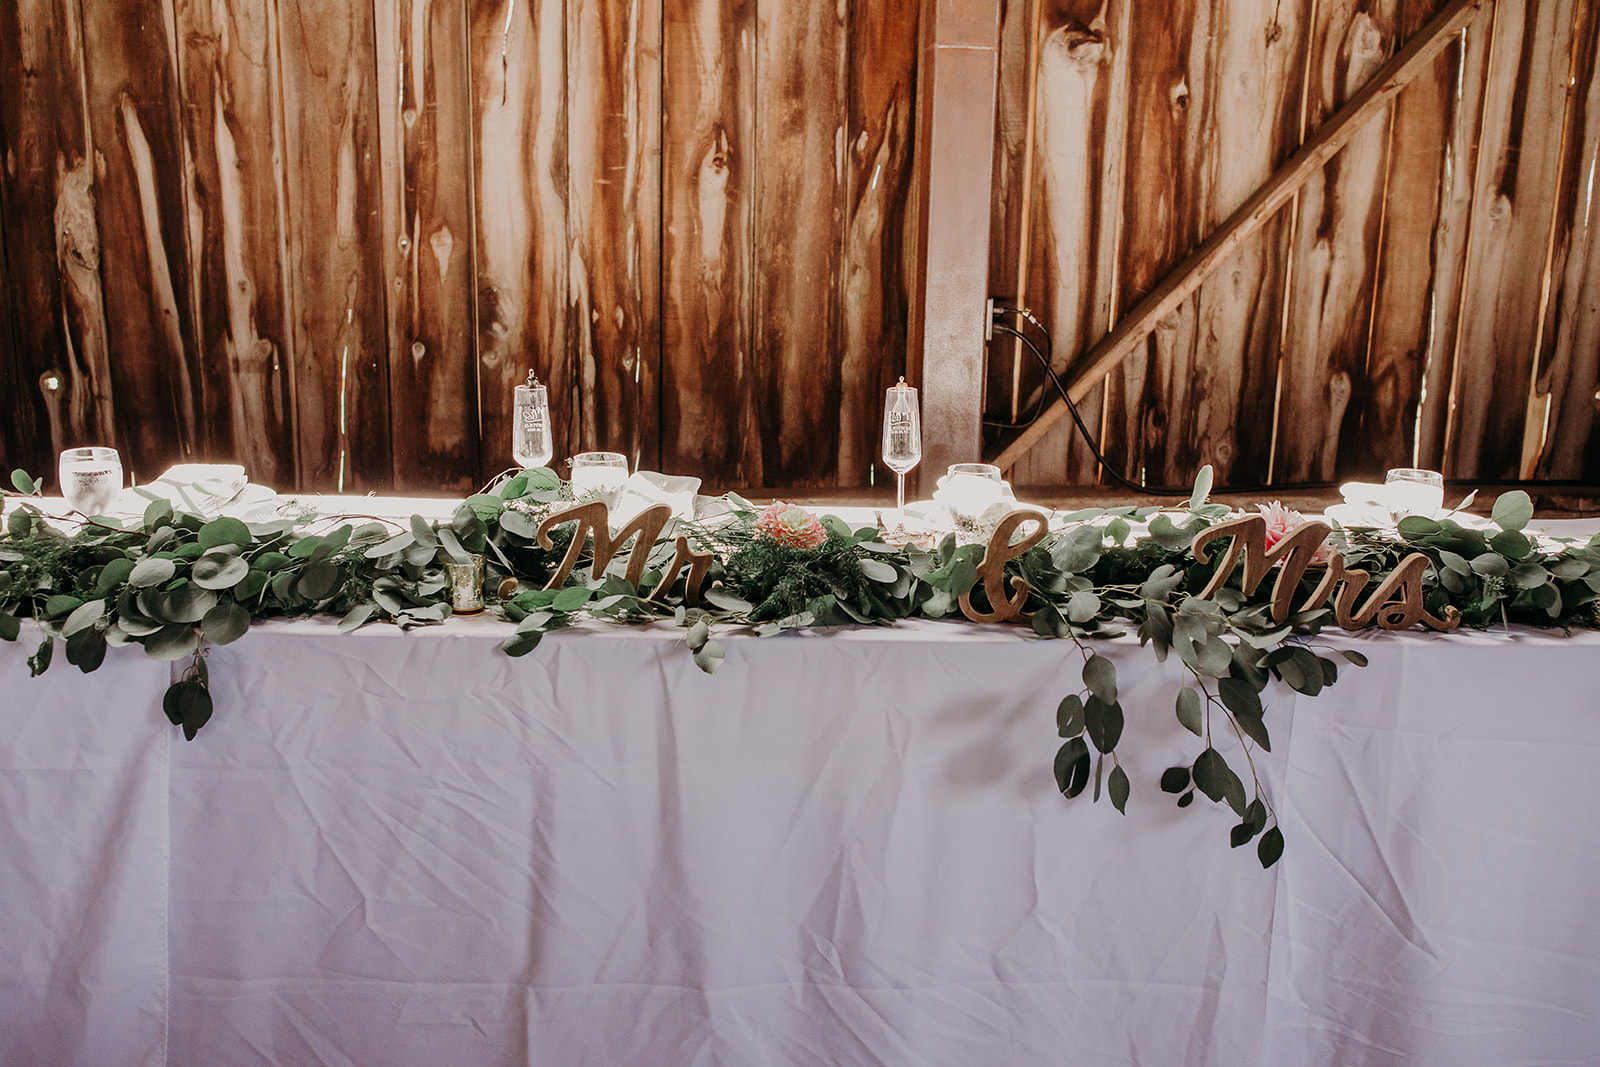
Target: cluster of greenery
177,583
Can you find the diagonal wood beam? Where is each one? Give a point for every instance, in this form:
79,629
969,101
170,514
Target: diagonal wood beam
1413,59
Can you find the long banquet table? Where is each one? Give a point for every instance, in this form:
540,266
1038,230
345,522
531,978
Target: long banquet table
845,849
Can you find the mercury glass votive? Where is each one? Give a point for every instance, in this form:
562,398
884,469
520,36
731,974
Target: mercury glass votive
466,585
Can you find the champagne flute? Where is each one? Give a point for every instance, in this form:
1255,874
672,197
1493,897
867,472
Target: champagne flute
902,438
531,443
91,478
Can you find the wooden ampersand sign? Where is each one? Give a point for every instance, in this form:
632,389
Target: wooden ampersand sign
594,520
992,571
1396,604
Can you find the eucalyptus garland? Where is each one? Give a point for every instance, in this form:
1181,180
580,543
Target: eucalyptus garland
177,583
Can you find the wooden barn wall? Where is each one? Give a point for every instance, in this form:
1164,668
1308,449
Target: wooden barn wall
327,238
1431,298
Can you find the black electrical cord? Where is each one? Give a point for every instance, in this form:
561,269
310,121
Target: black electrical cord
1072,409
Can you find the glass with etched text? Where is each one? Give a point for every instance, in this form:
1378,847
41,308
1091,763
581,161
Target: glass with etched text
599,476
531,444
902,436
91,478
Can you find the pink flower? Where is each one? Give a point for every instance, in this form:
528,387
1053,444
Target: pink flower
791,525
1282,521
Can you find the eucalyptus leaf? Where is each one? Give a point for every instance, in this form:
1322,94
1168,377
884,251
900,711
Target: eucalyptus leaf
1174,779
113,574
878,571
318,581
1103,722
151,572
1254,728
708,657
1512,544
1239,697
188,603
225,623
1072,767
719,597
158,513
1211,774
1082,607
1189,711
1513,510
10,627
1491,564
172,643
519,524
1530,576
61,605
571,598
398,543
522,642
1270,847
1069,716
219,571
83,617
224,531
1169,536
188,705
1354,657
357,617
23,483
1117,788
19,523
1202,487
452,546
1100,675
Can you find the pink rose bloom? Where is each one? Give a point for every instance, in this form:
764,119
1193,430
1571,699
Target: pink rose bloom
791,525
1282,521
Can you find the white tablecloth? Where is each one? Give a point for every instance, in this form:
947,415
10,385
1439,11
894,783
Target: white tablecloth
848,849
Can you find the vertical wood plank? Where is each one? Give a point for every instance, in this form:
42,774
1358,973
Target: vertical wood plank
520,227
425,114
1080,137
1218,105
709,421
1329,315
875,288
1417,296
52,232
800,127
1570,362
613,204
1518,173
1011,201
132,102
1164,220
226,62
335,254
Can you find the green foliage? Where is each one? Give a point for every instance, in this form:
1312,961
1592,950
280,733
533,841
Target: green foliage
177,584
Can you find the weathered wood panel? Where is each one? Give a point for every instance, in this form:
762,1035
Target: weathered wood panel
613,207
1514,202
1418,288
1008,375
709,420
878,226
425,115
1338,219
52,234
1082,121
227,63
334,245
1217,105
520,242
1570,361
799,195
132,103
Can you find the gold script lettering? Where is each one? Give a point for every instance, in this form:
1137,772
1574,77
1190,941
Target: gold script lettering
1249,535
593,519
992,571
699,563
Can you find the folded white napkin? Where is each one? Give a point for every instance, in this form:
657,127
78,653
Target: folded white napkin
645,488
200,488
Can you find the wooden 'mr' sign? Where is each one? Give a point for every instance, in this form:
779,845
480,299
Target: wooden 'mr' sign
1396,604
594,519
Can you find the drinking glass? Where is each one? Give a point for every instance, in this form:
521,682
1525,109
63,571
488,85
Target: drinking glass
1414,492
531,444
970,490
91,478
599,476
902,436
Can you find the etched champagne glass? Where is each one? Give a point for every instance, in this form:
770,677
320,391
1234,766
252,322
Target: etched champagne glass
902,438
531,443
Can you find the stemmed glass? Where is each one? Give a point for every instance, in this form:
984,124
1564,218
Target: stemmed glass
531,443
902,437
1414,492
91,478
